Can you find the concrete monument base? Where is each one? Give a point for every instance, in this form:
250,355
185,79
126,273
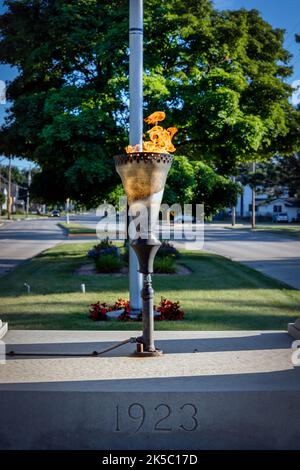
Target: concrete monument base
3,329
294,329
210,390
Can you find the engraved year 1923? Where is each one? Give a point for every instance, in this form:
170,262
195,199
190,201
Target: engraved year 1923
161,418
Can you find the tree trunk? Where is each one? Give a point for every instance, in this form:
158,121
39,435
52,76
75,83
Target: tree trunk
233,209
9,197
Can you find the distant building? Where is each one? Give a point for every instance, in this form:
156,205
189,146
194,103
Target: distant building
270,208
244,204
267,207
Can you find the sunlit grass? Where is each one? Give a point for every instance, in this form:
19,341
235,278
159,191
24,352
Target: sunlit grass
219,294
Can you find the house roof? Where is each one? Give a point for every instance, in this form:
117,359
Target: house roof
287,201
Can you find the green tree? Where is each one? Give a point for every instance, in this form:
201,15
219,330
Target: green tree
2,201
278,176
223,75
219,75
67,101
198,183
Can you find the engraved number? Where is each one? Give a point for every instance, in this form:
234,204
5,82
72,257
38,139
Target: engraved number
117,419
136,411
168,410
194,421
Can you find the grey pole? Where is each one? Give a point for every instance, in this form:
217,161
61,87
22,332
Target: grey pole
136,124
28,186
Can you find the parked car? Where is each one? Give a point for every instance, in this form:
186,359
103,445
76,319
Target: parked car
281,217
55,213
184,218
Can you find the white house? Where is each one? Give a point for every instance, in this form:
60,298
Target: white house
244,204
290,206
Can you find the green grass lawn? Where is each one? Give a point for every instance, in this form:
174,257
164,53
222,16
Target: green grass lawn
77,229
218,295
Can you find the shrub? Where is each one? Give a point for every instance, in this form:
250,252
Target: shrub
108,263
125,252
164,265
98,311
167,249
105,247
170,310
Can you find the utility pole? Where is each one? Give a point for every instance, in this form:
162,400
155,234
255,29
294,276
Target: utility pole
233,209
9,196
0,188
253,197
28,186
136,125
68,210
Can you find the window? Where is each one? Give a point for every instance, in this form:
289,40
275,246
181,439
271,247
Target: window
277,208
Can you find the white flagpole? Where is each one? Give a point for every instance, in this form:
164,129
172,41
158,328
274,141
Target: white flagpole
136,124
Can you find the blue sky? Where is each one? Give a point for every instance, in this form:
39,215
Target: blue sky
283,14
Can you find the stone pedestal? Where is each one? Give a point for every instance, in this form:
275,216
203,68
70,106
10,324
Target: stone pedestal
3,329
210,390
294,329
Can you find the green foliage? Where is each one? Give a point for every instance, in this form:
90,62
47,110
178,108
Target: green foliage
278,175
219,75
180,182
164,265
196,182
167,249
2,199
108,264
17,176
213,190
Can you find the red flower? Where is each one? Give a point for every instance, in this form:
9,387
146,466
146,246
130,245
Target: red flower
170,310
98,311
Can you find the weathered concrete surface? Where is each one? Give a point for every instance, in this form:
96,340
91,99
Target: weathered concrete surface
211,390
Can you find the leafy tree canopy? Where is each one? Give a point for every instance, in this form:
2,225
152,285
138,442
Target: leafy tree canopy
219,75
196,182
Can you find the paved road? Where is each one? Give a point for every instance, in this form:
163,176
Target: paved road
25,239
275,255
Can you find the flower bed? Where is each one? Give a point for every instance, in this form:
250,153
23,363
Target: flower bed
166,310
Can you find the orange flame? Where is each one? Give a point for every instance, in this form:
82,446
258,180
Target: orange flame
160,138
